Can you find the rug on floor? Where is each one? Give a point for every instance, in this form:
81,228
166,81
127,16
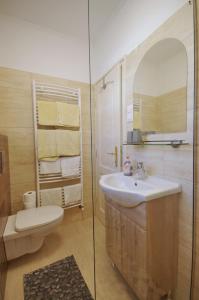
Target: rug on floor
60,280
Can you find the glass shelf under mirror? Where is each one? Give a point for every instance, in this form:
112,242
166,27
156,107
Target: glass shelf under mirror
172,143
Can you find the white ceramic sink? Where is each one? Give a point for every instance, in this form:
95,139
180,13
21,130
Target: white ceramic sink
128,191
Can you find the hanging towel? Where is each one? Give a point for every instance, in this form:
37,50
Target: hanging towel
50,167
70,166
53,158
48,114
51,197
72,194
68,142
47,143
68,114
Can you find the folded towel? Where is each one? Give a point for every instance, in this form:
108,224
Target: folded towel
70,166
53,158
68,114
58,114
51,197
68,142
72,194
50,167
47,143
48,114
55,143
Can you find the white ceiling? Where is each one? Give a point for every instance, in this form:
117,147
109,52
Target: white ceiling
69,17
101,11
64,16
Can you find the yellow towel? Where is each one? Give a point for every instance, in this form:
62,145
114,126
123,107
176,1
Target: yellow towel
68,142
53,158
48,114
68,114
47,143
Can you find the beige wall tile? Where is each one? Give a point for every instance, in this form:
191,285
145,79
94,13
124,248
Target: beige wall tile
11,78
22,173
19,136
174,164
16,121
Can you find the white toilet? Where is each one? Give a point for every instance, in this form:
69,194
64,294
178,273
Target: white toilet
25,232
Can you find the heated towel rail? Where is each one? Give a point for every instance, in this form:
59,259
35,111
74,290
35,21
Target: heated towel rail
54,92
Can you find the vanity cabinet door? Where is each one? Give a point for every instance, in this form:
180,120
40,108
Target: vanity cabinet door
134,249
113,234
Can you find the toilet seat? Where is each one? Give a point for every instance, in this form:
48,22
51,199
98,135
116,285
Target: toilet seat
33,220
36,217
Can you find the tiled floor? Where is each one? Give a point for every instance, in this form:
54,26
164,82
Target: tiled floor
74,237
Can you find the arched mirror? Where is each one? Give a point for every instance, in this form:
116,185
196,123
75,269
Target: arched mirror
160,89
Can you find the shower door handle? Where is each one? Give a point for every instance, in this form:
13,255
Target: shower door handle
115,153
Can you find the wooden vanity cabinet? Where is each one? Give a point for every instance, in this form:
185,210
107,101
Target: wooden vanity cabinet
114,235
133,256
142,243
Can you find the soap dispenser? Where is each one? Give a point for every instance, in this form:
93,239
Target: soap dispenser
127,167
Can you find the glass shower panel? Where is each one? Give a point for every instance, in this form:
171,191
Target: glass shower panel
45,100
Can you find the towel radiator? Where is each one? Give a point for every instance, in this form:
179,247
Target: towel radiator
54,92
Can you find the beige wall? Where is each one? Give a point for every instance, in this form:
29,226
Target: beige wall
174,164
16,121
173,111
147,117
164,113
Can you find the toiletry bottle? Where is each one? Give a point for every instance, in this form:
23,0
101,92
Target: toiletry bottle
127,167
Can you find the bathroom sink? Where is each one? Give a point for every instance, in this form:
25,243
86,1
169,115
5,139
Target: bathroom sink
129,191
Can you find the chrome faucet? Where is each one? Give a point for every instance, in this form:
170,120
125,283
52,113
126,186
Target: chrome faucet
140,171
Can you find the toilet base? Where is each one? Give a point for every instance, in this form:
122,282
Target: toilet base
33,226
18,247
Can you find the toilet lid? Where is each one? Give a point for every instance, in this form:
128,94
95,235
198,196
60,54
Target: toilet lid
35,217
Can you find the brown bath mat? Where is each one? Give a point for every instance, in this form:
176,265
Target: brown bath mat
60,280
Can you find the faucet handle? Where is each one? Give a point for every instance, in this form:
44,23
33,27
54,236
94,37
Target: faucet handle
140,165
